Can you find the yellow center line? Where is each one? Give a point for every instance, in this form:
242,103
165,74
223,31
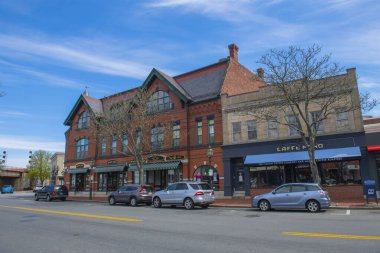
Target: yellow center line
339,236
103,217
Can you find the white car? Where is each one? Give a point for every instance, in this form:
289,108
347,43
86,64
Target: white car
37,187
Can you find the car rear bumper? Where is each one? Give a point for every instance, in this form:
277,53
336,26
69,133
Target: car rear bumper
204,200
144,199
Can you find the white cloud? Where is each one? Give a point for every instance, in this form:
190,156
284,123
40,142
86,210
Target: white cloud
30,143
72,55
13,114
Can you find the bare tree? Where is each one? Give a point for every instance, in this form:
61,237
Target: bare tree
132,121
305,90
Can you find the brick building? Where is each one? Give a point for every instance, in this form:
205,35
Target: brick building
190,101
372,132
260,155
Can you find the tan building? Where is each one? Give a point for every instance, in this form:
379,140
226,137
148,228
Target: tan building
56,170
262,152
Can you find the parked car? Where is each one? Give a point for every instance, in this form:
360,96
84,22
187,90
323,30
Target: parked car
308,196
51,192
187,194
7,189
132,194
37,187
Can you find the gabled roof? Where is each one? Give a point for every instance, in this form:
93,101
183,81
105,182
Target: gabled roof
94,104
169,81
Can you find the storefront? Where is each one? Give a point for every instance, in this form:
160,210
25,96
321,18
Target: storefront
341,159
373,142
111,177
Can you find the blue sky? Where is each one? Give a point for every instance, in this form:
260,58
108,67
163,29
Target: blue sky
51,50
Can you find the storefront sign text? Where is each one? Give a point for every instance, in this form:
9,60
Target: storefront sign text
297,147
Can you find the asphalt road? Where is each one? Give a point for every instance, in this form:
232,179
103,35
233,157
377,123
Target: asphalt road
33,227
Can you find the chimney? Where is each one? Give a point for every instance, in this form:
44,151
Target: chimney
233,51
260,73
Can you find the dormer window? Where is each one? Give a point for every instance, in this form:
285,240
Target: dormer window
83,120
159,101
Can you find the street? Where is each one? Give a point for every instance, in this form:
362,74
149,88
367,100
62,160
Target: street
71,226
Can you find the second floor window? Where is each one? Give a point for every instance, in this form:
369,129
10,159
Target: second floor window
159,101
199,134
176,134
83,120
236,131
157,137
293,125
82,148
138,137
252,130
103,146
272,129
125,144
317,122
342,122
113,145
211,131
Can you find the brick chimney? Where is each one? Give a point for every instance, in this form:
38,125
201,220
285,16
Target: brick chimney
260,73
233,51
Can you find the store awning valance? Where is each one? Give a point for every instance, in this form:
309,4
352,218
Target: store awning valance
109,168
172,165
77,171
303,156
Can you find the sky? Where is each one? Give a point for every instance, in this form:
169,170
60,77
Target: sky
50,50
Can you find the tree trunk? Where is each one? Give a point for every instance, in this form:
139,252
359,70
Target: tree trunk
313,166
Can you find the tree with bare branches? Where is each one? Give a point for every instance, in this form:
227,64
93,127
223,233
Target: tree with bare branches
133,122
306,90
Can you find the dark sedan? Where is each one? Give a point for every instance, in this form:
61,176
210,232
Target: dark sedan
51,192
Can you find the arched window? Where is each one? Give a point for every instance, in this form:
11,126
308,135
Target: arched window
208,174
159,101
82,148
157,137
83,120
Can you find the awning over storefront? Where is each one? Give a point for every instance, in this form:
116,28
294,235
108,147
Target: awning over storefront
303,157
77,171
374,148
172,165
109,168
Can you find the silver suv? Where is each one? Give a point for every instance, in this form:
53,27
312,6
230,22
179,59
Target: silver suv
187,194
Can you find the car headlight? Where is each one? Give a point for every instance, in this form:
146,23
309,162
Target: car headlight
255,197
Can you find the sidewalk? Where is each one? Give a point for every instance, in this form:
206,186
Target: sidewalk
246,203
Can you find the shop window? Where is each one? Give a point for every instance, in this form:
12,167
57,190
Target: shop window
102,182
77,182
266,176
252,130
207,174
82,148
236,131
340,172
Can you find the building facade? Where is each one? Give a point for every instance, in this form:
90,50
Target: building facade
260,155
56,170
190,102
372,132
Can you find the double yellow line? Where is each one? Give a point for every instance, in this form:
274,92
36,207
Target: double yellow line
94,216
339,236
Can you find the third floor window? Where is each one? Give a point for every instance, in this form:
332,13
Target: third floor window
159,101
83,120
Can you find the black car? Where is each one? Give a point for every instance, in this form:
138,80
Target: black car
51,192
132,194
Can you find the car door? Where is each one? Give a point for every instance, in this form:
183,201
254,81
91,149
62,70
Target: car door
43,192
298,196
168,196
180,193
121,194
281,197
131,190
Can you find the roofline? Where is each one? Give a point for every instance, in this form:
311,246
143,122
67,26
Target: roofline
205,67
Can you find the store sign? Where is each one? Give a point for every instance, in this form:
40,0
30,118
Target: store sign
175,157
79,165
112,162
297,147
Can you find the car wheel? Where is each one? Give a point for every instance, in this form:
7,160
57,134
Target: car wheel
313,206
63,199
205,206
264,205
48,198
111,201
133,201
188,203
36,197
157,202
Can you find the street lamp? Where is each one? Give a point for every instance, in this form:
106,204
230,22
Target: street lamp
210,154
90,177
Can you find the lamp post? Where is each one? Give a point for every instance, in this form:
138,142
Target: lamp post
92,166
210,154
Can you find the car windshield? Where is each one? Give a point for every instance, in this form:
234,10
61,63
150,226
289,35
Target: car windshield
200,186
